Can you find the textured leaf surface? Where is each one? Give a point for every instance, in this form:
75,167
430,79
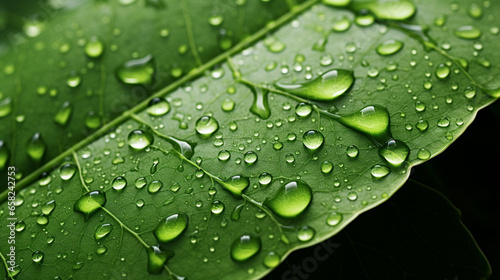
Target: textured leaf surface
239,124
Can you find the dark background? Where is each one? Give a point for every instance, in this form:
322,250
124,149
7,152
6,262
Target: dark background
398,241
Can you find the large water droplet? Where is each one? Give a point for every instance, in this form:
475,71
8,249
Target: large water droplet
36,147
66,171
140,139
63,114
158,107
468,32
102,231
119,183
387,9
394,151
157,260
94,47
236,185
389,47
291,199
326,87
260,104
90,203
171,227
206,126
372,121
245,247
137,71
313,140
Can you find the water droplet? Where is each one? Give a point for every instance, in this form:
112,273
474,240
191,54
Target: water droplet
245,247
272,259
468,32
37,257
92,120
158,107
442,71
274,45
394,152
140,203
313,139
334,219
119,183
224,155
303,109
157,260
250,157
391,10
215,20
137,71
372,121
5,107
422,125
352,151
67,170
20,226
265,179
380,171
36,147
443,122
155,186
364,18
140,182
171,227
154,166
206,126
260,105
306,233
101,250
48,207
94,47
389,47
63,114
291,199
236,185
475,11
423,154
42,220
73,80
227,105
326,87
4,154
140,139
326,167
217,207
102,231
90,203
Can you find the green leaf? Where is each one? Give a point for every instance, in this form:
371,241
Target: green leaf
248,163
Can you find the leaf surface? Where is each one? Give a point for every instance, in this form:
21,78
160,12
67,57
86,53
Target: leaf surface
259,169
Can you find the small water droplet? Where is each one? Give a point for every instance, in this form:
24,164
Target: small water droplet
36,147
274,45
158,107
326,87
5,107
352,151
272,259
37,257
265,179
224,155
42,220
423,154
171,227
228,105
389,47
206,126
63,114
236,185
140,182
245,247
154,186
4,154
250,157
137,71
326,167
303,109
48,207
337,3
305,233
380,171
66,171
468,32
102,231
291,199
140,139
215,20
119,183
313,139
442,71
94,47
334,219
90,203
394,152
217,207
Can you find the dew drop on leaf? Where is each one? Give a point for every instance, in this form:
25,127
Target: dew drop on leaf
42,219
272,259
140,139
380,171
63,114
250,157
468,32
337,3
442,71
334,219
265,178
206,126
90,203
423,154
387,9
326,167
102,231
236,185
5,107
154,186
171,227
140,182
158,107
119,183
291,199
372,121
157,260
4,154
326,87
394,152
137,71
245,247
305,233
313,139
73,80
48,207
37,257
66,171
217,207
389,47
94,47
352,151
303,109
36,147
